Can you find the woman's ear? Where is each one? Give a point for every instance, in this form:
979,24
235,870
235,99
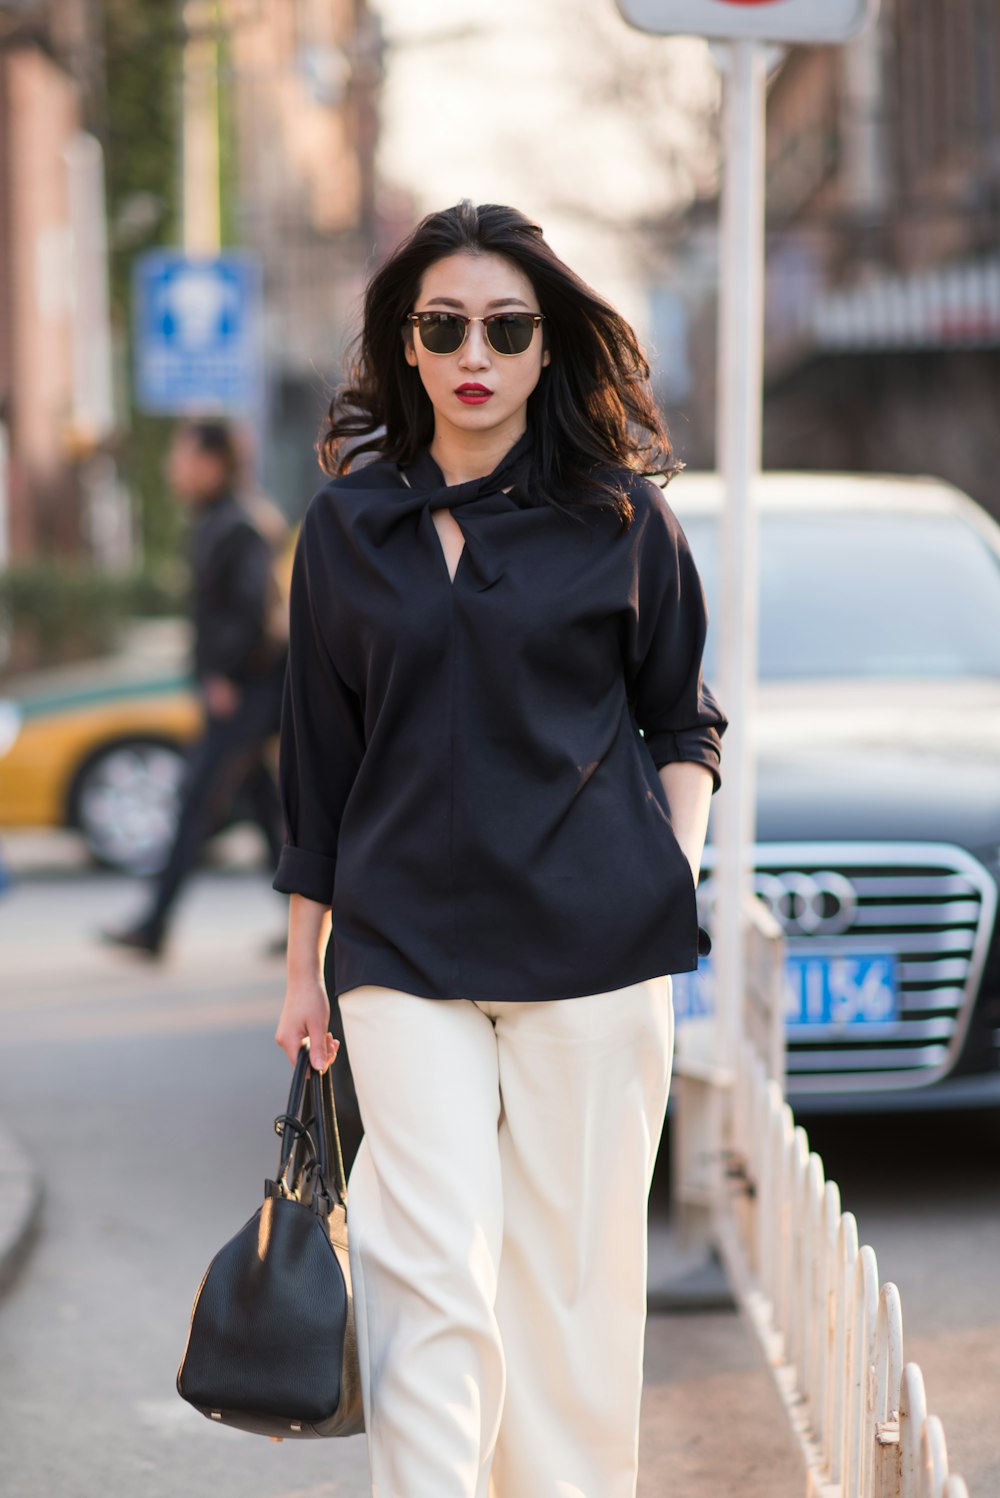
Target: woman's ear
546,357
408,349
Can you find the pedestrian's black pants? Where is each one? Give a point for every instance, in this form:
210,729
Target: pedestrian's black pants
227,760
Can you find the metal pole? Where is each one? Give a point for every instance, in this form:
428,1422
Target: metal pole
93,400
201,212
740,402
108,522
5,516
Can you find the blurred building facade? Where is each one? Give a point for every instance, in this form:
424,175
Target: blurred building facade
50,282
305,79
298,92
882,339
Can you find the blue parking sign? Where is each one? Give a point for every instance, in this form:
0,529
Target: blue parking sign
196,333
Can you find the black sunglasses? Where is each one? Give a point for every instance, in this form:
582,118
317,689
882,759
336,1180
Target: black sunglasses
506,332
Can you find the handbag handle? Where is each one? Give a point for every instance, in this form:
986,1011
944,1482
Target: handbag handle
331,1155
296,1142
310,1136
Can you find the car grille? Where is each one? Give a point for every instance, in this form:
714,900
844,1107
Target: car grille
931,906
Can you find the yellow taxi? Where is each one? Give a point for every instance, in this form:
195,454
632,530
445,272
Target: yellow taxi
99,748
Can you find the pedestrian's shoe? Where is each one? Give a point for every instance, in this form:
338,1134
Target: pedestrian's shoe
146,941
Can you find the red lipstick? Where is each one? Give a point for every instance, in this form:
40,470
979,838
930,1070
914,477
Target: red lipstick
472,394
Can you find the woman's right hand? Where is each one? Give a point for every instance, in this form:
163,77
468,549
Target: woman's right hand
305,1015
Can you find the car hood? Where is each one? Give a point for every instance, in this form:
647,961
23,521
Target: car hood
899,760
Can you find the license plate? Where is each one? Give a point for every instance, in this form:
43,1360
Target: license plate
842,992
839,993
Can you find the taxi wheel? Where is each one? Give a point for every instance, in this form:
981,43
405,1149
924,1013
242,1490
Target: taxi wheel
124,803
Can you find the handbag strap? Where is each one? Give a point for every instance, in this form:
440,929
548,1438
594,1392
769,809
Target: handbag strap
297,1145
310,1135
331,1155
338,1152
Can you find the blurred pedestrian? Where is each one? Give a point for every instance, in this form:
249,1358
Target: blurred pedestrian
240,650
482,621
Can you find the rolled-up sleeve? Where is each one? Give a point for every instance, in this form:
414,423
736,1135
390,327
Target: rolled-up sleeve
667,624
322,734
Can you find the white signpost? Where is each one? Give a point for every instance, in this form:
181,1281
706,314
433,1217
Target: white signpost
749,25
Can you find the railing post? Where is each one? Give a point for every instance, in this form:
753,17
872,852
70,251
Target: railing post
770,1199
912,1415
888,1375
756,1157
828,1325
847,1253
933,1458
860,1370
814,1307
783,1254
796,1166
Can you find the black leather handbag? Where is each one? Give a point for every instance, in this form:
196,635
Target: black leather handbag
271,1347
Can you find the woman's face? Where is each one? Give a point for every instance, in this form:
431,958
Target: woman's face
477,284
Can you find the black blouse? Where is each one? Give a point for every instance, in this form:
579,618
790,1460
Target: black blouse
463,777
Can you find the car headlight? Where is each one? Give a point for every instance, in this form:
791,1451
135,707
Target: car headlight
10,726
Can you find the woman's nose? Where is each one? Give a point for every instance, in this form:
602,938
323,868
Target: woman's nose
475,350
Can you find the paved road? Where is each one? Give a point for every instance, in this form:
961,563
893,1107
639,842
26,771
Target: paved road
146,1095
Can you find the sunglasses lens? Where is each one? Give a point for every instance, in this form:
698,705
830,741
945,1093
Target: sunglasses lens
511,332
440,333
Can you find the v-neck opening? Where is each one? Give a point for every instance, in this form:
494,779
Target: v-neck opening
451,577
440,545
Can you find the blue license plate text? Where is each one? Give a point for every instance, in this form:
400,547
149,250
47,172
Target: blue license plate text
833,992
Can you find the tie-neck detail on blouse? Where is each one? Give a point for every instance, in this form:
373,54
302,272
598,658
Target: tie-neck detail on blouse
425,479
491,511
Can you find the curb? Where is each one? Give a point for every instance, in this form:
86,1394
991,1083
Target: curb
20,1207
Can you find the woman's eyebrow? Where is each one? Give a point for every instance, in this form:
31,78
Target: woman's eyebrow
503,301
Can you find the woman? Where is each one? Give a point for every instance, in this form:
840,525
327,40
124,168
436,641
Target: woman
483,619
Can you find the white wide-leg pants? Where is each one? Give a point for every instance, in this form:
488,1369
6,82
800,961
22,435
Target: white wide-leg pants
497,1219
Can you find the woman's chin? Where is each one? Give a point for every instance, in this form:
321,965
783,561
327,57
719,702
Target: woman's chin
481,420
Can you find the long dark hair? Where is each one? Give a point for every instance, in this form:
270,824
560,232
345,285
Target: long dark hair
592,411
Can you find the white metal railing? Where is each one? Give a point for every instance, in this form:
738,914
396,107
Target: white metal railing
701,1087
832,1335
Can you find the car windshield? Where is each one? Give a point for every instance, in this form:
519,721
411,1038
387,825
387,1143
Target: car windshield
865,594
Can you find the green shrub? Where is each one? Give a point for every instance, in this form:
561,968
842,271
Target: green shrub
55,611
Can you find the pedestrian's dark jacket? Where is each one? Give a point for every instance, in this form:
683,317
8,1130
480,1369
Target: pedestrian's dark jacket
233,593
462,770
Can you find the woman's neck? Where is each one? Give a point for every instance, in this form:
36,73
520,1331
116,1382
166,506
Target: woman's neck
463,455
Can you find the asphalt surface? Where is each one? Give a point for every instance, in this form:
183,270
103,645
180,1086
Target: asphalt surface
144,1096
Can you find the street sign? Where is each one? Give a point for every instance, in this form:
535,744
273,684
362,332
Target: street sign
196,333
791,21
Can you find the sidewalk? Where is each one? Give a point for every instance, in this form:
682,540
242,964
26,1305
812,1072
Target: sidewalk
20,1206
